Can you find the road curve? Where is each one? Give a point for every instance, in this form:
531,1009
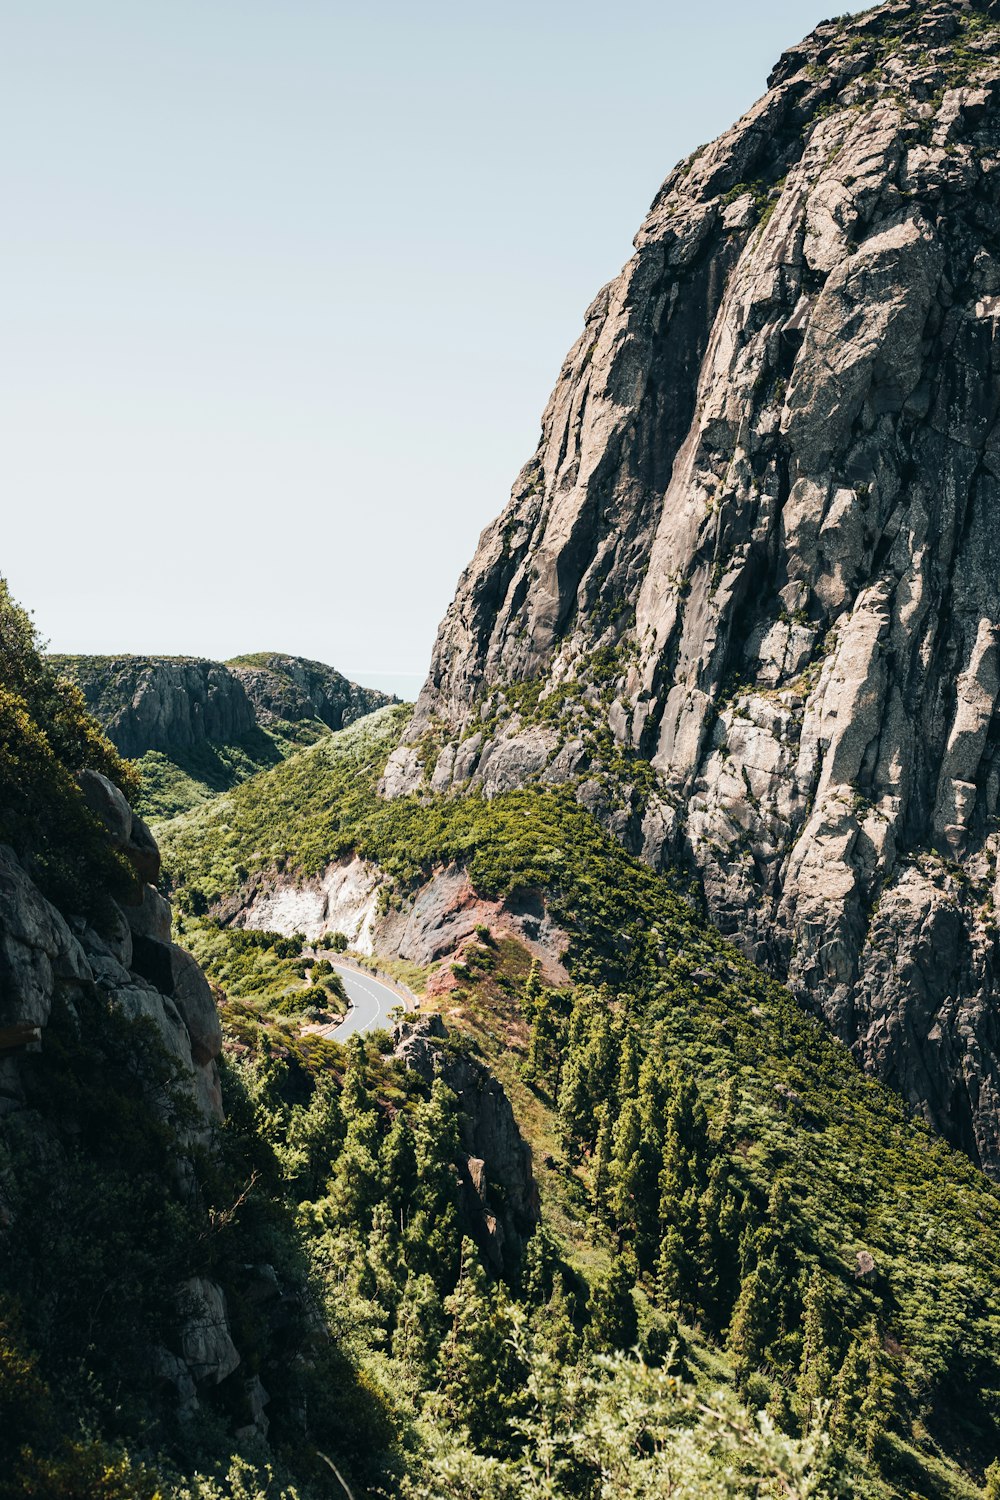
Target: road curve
371,1002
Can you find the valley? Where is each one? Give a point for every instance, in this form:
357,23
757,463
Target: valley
584,1083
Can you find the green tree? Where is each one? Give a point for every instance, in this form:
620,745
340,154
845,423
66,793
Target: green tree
481,1375
749,1331
612,1322
816,1365
399,1170
718,1245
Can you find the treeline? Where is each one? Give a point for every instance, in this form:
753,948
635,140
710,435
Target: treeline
512,1387
669,1185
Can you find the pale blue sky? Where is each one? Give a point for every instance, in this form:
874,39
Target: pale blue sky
284,287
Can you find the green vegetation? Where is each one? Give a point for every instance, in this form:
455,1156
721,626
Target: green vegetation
184,779
274,975
518,1387
46,735
754,1225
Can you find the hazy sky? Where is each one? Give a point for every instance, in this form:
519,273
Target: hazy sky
284,285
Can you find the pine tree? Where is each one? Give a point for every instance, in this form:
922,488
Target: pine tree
420,1327
431,1237
354,1183
356,1098
481,1375
862,1393
628,1069
876,1399
313,1137
848,1391
532,989
538,1266
555,1331
542,1049
575,1106
385,1263
749,1329
612,1321
626,1168
671,1267
603,1048
724,1125
600,1182
588,1073
717,1253
771,1249
815,1366
399,1170
651,1100
681,1172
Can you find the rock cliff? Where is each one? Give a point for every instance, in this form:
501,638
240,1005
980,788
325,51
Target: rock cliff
290,688
745,595
500,1198
55,963
173,704
160,702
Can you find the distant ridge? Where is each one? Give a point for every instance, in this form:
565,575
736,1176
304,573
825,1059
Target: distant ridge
197,727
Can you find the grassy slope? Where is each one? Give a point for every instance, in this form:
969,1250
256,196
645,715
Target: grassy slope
867,1176
183,780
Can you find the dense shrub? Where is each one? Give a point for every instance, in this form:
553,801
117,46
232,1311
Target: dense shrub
46,735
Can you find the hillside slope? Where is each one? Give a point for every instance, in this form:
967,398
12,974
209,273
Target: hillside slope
900,1228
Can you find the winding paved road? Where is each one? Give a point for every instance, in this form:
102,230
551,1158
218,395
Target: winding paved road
371,1002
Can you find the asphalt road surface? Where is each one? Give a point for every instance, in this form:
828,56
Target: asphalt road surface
371,1002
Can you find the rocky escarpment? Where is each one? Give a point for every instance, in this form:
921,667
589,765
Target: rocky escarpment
500,1198
351,897
53,964
176,704
745,595
290,689
160,702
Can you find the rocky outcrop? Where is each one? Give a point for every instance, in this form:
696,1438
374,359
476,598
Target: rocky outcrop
175,704
290,688
433,921
45,955
161,702
500,1198
759,544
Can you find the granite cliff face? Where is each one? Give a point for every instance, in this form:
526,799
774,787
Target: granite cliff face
161,702
746,595
173,704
